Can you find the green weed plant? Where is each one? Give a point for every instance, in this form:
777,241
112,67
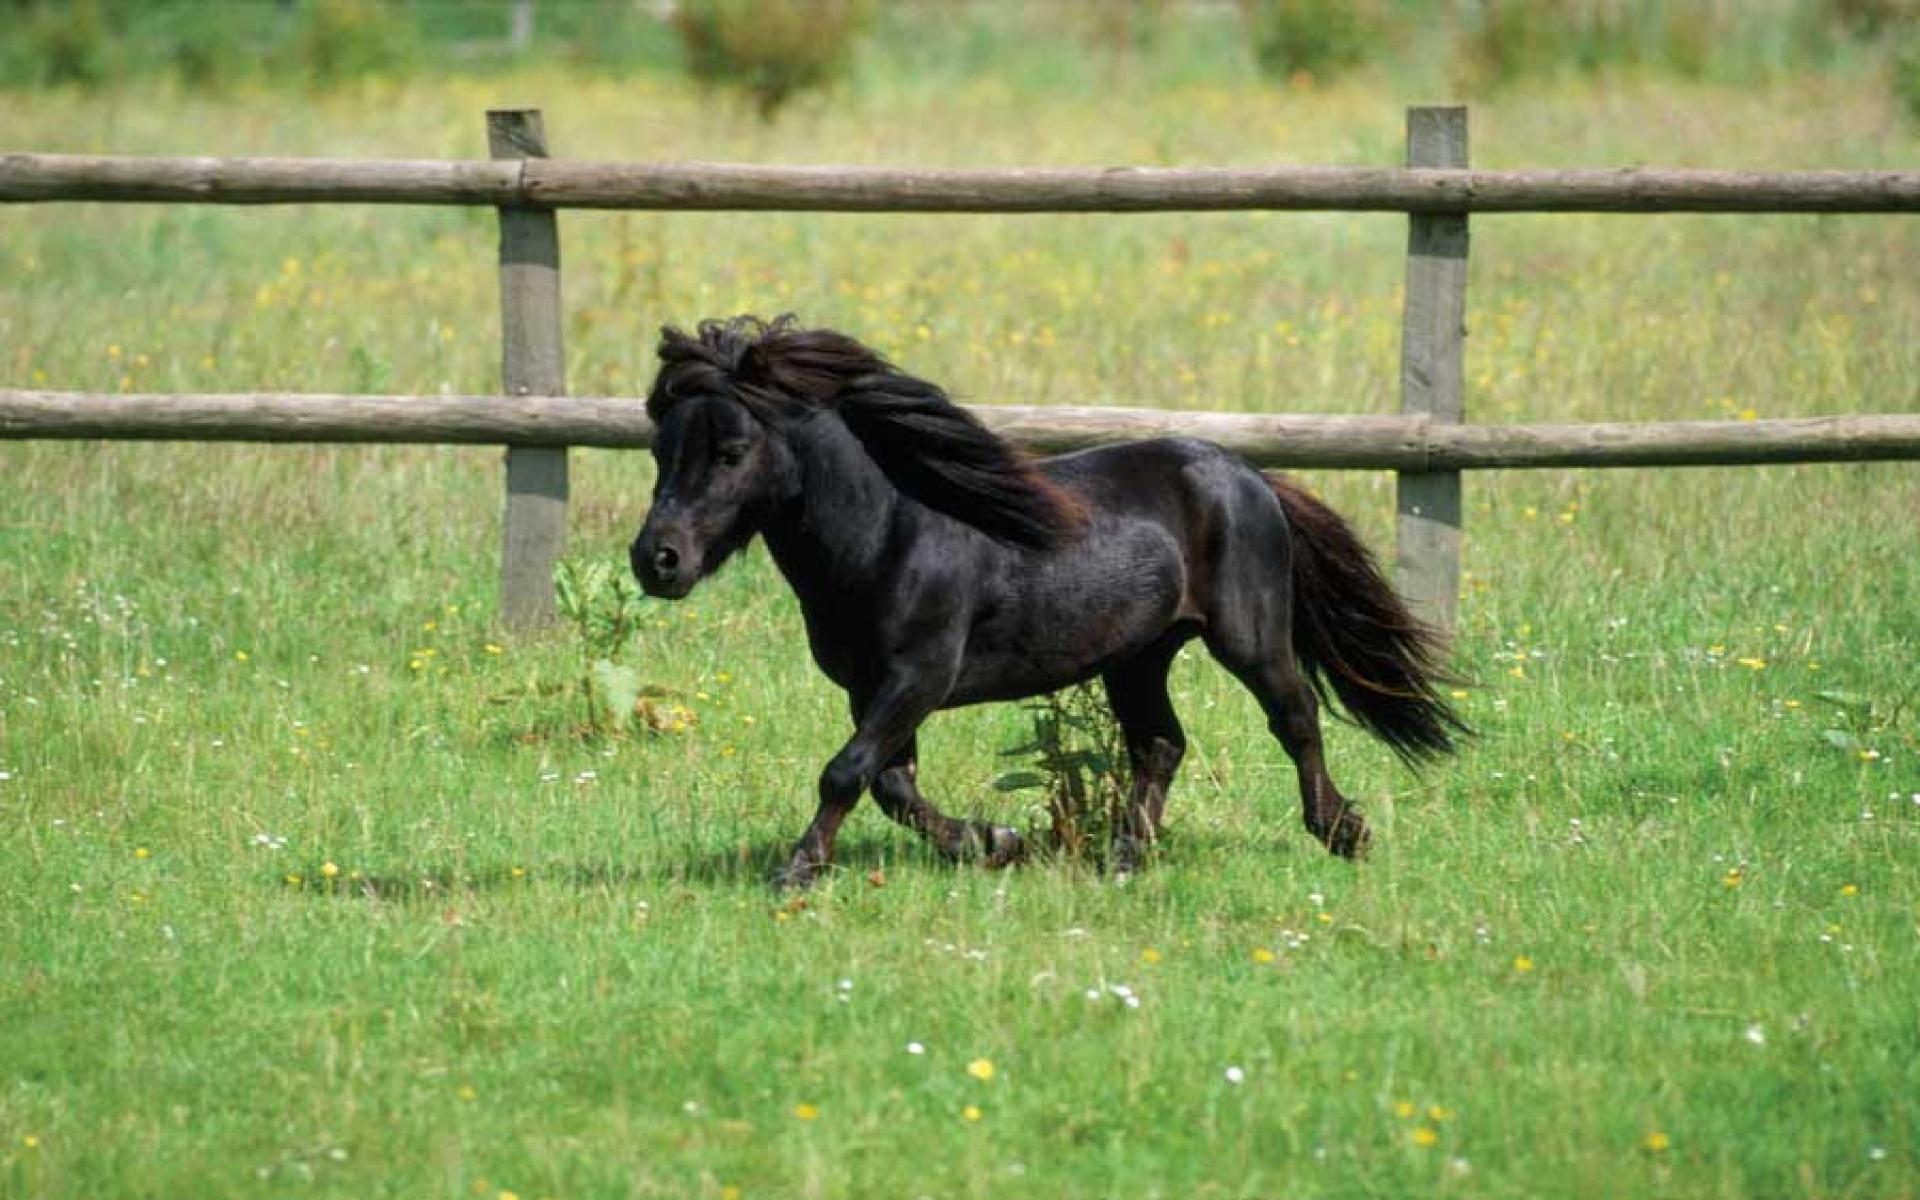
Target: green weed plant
1076,759
603,604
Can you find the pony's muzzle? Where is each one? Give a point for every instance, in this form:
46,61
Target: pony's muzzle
661,568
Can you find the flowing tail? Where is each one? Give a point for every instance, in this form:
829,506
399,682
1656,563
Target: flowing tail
1354,635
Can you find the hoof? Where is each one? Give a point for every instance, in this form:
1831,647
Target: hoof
1347,837
1129,855
1003,846
796,876
985,843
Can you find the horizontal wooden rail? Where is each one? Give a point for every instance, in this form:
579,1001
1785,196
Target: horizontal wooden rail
1428,444
555,183
1385,443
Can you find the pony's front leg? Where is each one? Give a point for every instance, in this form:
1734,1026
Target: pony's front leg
884,726
897,788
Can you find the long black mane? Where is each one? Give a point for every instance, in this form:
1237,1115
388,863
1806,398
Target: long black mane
929,447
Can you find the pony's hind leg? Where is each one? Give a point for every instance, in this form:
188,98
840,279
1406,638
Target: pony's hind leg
1261,657
897,790
1329,815
1137,690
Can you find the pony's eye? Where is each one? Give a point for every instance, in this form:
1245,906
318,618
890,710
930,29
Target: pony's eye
733,454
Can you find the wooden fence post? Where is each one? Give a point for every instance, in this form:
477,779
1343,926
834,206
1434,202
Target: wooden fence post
532,363
1432,372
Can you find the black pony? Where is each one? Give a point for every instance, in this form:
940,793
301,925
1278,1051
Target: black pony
937,566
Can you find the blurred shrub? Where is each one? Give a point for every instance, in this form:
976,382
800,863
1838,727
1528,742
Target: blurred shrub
1505,40
1315,37
771,49
337,40
48,43
1905,70
94,42
1872,18
1500,41
1128,26
205,45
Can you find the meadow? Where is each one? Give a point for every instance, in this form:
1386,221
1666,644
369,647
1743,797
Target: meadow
311,883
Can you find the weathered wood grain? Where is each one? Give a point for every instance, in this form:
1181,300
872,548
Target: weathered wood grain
1389,443
26,177
326,418
38,177
1433,340
532,363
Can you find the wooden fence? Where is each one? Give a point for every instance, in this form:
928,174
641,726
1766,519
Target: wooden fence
1428,444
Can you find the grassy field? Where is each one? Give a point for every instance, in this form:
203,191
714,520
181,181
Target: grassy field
307,887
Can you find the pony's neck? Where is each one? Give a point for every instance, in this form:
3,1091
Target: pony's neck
829,540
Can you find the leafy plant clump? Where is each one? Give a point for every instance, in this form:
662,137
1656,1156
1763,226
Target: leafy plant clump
1077,758
771,49
1858,722
604,606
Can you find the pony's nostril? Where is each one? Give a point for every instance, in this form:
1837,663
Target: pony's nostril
665,559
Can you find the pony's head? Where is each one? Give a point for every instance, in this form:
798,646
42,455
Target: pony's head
721,466
726,392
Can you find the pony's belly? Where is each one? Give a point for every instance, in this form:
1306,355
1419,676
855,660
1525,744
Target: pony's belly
1068,636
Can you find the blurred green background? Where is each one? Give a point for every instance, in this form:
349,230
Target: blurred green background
775,51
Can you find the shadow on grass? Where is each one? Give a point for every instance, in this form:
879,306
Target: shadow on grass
749,864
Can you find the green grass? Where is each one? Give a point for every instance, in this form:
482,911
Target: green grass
1652,934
